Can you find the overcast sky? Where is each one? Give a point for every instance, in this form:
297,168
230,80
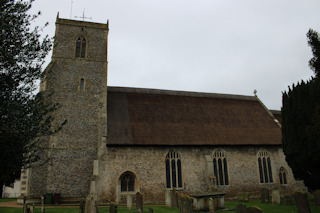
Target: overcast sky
215,46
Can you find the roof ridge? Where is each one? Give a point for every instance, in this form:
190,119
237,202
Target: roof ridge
179,93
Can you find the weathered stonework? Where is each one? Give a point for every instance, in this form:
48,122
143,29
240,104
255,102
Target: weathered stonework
72,151
148,164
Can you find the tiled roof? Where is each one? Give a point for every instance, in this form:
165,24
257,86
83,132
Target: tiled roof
161,117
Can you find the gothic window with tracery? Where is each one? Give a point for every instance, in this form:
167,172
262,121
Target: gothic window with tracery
282,176
81,47
127,180
173,170
220,168
265,170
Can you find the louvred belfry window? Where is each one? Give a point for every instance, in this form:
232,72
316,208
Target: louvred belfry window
81,47
173,170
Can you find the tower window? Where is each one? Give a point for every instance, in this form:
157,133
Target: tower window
82,84
81,47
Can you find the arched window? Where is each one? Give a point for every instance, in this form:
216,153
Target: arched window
127,180
265,171
282,176
173,170
81,47
220,168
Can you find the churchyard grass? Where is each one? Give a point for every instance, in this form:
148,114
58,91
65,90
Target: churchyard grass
273,208
7,199
156,209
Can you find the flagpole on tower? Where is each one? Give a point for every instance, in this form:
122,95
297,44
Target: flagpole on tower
71,10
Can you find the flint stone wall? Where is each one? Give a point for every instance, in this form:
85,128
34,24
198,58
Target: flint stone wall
71,151
148,164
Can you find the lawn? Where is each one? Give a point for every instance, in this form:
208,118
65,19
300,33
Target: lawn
7,199
156,209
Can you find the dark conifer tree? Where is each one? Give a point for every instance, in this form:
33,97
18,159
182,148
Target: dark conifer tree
301,122
25,116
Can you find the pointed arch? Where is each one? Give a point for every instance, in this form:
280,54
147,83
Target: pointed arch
81,45
282,176
264,166
127,182
173,170
220,167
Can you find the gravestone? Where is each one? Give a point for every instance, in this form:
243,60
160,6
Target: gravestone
275,197
246,197
113,208
253,209
129,202
168,197
139,202
241,208
30,209
186,204
301,202
25,207
316,195
90,205
150,210
174,198
240,197
43,210
82,205
264,195
211,205
287,200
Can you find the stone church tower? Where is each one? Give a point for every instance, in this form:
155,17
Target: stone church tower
77,76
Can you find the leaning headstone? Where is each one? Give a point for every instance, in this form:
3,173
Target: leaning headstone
43,210
139,202
317,197
264,195
301,202
113,208
150,210
275,197
241,208
287,201
253,209
129,202
211,205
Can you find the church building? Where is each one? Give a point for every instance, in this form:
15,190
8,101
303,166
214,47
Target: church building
119,140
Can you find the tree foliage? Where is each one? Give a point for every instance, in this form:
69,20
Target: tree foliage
301,122
25,116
